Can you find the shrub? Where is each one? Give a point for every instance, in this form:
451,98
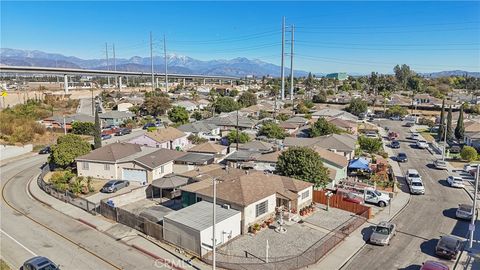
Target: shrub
469,153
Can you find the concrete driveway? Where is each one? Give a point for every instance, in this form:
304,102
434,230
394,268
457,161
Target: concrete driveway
97,197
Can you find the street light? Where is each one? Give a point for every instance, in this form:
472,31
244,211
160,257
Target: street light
214,179
472,223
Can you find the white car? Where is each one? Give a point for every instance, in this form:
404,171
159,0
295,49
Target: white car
415,136
417,187
422,144
371,134
440,164
413,175
471,169
464,211
455,181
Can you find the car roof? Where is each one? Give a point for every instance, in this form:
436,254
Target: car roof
39,260
434,265
402,154
450,238
384,224
409,171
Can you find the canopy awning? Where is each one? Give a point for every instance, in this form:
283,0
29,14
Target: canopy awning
173,181
358,164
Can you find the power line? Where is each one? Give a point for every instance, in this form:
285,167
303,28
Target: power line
388,32
387,26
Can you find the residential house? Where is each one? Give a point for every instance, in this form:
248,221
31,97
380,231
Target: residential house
334,113
335,162
257,146
228,121
290,128
191,161
190,228
298,120
124,106
345,125
217,150
188,105
128,162
202,129
343,144
473,139
267,162
257,196
168,138
115,118
59,121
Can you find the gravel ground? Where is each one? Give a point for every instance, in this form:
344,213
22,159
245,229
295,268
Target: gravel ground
328,219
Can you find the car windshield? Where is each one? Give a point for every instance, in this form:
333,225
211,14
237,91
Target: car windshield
377,193
465,208
456,179
417,184
413,175
49,267
382,230
402,155
448,243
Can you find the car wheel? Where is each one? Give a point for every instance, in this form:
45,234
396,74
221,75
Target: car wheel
382,204
128,184
114,190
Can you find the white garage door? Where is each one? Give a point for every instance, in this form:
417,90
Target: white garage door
134,175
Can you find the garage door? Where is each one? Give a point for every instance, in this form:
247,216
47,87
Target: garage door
134,175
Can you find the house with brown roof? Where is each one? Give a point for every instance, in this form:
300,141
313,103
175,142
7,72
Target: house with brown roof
127,161
258,195
346,125
167,138
217,150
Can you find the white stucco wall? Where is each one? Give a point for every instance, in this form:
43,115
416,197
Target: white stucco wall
249,211
167,168
303,202
225,231
97,170
180,142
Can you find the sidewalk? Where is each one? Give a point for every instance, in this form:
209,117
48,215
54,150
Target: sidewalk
164,253
344,251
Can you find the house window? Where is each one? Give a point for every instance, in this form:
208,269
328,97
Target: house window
106,167
261,208
162,169
199,199
84,165
305,194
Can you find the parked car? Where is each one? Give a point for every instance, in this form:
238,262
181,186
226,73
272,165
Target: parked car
470,168
455,181
401,157
39,263
409,124
413,175
422,144
371,134
417,187
392,135
148,125
123,131
376,197
395,144
433,265
350,197
113,186
383,233
395,118
414,136
440,164
455,149
464,211
45,150
448,246
106,136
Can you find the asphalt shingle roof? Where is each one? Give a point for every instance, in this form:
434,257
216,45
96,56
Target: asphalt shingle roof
112,152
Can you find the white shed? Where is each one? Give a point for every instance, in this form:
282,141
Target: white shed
191,228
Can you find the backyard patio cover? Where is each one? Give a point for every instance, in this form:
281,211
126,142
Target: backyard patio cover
358,164
171,181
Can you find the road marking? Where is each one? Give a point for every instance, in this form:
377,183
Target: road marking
20,244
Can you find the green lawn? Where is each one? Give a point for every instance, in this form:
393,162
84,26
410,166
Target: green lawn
427,136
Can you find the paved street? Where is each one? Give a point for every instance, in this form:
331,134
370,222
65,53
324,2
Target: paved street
47,232
423,220
85,106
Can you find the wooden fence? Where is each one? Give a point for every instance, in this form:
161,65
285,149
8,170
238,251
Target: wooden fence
336,201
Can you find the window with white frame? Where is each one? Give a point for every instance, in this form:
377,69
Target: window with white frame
261,208
84,165
106,167
305,194
162,169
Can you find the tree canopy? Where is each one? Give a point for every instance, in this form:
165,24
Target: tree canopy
460,128
469,153
272,131
370,145
357,106
305,164
68,148
178,115
156,105
225,104
397,110
242,137
83,128
323,127
247,99
97,133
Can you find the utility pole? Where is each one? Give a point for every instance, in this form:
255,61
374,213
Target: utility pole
237,130
165,57
115,65
214,240
474,213
151,61
108,67
291,65
282,92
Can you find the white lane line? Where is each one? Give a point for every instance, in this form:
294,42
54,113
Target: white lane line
20,244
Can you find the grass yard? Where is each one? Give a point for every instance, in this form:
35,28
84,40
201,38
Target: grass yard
4,265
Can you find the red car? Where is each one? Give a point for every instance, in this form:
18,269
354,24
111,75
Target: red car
433,265
350,197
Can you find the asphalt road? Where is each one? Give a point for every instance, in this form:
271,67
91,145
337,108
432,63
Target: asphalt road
29,228
85,106
422,222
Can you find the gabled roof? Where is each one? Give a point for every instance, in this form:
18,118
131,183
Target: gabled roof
472,126
243,155
331,157
165,134
342,142
230,120
159,157
196,127
115,115
250,188
287,125
342,123
208,147
297,119
269,157
112,152
330,112
259,146
212,170
194,158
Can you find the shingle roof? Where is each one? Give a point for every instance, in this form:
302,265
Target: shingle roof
212,170
230,120
342,123
115,115
270,157
243,155
195,127
253,187
331,157
297,119
159,157
198,216
112,152
195,158
208,147
335,113
165,134
260,146
342,142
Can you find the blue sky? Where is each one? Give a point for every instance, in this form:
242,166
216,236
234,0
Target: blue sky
330,36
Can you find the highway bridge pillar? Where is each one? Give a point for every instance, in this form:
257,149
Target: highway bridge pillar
156,82
220,82
65,83
120,83
183,81
231,82
204,81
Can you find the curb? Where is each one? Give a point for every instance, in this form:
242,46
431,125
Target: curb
162,260
34,196
87,223
469,194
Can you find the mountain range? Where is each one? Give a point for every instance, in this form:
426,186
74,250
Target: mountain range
239,67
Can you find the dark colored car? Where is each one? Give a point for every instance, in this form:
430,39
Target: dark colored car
147,125
39,263
114,185
395,144
123,131
455,149
402,157
106,136
45,150
448,246
433,265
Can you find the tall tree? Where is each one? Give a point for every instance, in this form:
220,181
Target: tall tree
247,99
460,129
67,149
441,130
402,73
178,115
97,134
156,105
449,124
